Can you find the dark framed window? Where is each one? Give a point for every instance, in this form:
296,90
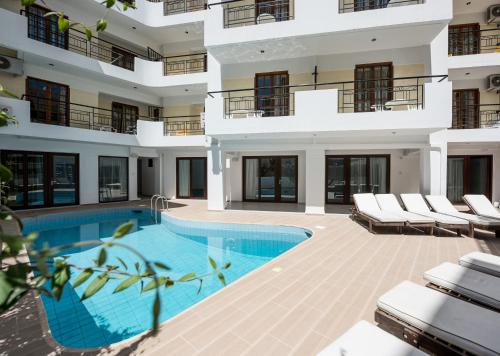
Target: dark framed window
113,179
348,175
270,179
41,179
469,175
464,39
191,175
271,94
49,101
280,10
373,86
122,58
124,117
362,5
466,109
45,29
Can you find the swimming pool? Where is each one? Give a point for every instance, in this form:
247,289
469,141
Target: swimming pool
108,318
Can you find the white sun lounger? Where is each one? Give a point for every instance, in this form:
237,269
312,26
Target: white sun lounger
465,283
482,262
433,321
389,203
415,203
441,204
367,339
367,208
481,206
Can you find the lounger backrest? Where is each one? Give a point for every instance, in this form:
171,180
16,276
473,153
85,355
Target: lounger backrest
366,202
388,202
480,205
441,204
415,203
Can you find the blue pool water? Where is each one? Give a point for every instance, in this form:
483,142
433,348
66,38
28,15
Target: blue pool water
107,318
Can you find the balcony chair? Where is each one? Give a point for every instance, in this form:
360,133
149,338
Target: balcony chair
389,203
366,208
482,262
465,283
437,322
415,203
481,206
366,339
442,205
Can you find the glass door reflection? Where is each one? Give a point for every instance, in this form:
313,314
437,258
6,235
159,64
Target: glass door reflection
288,179
64,179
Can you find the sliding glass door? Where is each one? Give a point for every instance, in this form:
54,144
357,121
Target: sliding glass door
270,179
41,179
348,175
468,175
192,178
113,179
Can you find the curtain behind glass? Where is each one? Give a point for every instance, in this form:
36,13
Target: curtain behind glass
378,174
479,175
252,179
113,179
455,179
358,177
184,178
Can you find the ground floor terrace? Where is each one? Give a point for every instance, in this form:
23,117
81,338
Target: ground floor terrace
296,304
310,178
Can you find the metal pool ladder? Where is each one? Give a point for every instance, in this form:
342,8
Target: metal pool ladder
156,198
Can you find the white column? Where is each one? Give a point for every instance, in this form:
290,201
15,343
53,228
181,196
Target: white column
315,181
433,161
132,177
215,177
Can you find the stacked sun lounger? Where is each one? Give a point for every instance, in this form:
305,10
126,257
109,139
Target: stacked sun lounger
458,315
385,210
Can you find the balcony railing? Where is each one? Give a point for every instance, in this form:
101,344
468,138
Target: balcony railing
183,126
45,29
172,7
390,94
185,64
260,13
465,42
363,5
476,116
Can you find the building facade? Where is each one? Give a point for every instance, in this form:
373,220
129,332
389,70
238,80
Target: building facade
284,101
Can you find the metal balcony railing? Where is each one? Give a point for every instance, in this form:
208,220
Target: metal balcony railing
464,41
172,7
476,116
183,126
388,94
45,29
236,15
185,64
363,5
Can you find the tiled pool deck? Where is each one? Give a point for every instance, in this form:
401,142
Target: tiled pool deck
296,304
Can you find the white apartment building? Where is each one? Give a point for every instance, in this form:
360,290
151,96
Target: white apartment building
301,102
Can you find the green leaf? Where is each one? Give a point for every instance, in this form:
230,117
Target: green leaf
110,3
101,259
212,262
88,33
63,23
123,230
187,277
153,284
221,277
199,288
82,277
156,312
101,26
28,3
95,286
169,283
162,266
226,265
127,283
59,280
122,263
5,174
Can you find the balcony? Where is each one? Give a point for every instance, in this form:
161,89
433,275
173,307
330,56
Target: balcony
405,103
481,116
261,12
173,7
363,5
464,41
185,64
183,126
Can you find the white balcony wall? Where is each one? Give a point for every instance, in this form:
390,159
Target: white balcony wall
317,112
323,17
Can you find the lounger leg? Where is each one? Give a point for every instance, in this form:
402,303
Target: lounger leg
459,233
471,230
497,233
432,230
370,227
